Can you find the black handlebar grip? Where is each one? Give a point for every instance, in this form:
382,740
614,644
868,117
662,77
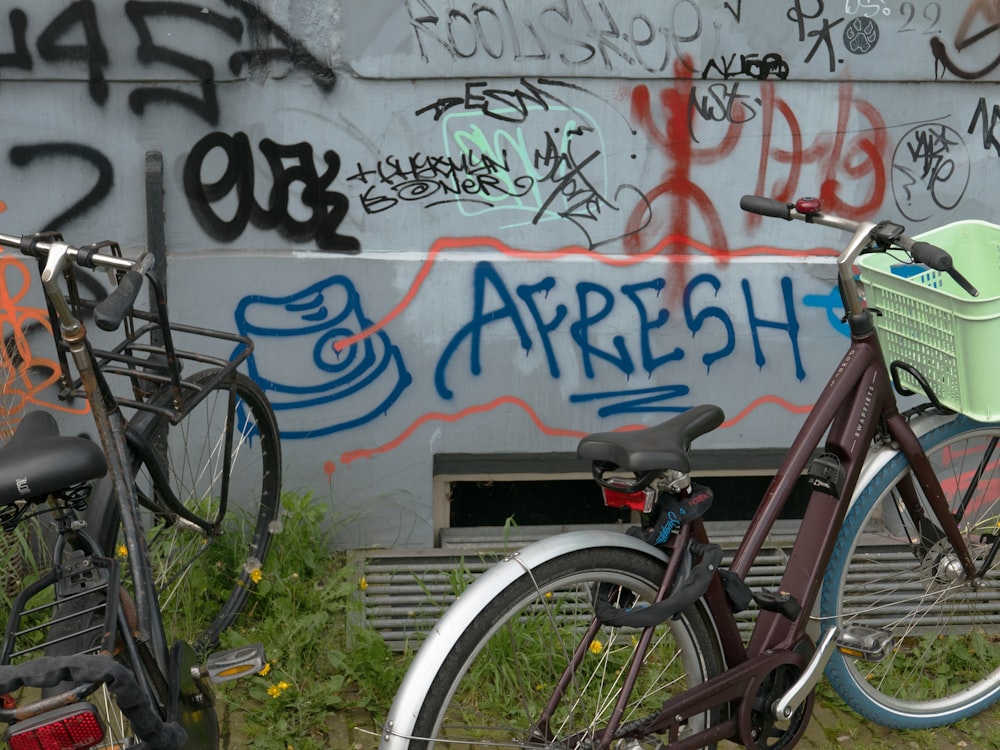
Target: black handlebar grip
931,256
939,259
758,204
111,311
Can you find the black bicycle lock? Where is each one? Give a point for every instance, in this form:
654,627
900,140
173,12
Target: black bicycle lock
686,593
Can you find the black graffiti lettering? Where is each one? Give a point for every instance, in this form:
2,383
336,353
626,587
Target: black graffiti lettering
990,124
608,38
259,41
433,180
799,17
569,38
771,64
20,58
93,52
580,201
290,165
722,103
930,169
426,26
580,198
201,196
580,33
139,14
929,149
822,36
507,105
751,66
23,156
328,208
943,60
261,27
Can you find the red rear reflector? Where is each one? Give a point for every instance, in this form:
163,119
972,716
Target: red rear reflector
641,501
75,727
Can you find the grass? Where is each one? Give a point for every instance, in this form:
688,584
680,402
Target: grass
299,611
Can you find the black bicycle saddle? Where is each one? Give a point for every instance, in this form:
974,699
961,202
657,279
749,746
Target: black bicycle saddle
658,448
37,460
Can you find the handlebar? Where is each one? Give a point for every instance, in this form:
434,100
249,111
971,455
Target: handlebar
868,237
109,312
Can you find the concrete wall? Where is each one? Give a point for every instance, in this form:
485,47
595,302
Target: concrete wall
485,228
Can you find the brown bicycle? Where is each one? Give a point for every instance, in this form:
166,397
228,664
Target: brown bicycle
649,640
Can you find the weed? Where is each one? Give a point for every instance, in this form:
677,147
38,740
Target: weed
299,612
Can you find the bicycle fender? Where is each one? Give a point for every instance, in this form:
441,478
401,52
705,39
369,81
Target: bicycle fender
398,726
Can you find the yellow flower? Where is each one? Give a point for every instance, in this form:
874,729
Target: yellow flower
275,690
267,668
122,551
596,647
363,583
256,575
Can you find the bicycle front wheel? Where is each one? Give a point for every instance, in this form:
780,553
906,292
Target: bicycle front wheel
886,573
209,491
493,688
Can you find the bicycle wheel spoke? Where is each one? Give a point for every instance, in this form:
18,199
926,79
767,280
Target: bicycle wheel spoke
945,655
525,641
222,462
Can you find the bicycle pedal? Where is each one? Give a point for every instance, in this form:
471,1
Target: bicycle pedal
224,666
862,642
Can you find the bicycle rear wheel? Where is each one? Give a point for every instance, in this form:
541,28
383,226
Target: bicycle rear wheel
222,464
492,688
83,601
945,661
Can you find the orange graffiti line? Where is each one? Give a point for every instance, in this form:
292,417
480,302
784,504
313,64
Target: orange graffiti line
352,456
18,391
466,243
787,405
457,416
3,206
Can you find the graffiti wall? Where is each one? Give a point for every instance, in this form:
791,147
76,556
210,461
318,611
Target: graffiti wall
488,227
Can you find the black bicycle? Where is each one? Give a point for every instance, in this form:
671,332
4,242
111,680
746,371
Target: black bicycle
146,567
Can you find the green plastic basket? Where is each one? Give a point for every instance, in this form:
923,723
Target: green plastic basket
929,322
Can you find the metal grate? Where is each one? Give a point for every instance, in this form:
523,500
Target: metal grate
407,591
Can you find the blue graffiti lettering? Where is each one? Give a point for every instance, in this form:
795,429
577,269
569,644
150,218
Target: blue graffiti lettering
606,334
527,294
695,322
485,272
649,362
792,326
641,401
581,330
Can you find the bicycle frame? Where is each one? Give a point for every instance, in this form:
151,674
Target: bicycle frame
856,406
110,425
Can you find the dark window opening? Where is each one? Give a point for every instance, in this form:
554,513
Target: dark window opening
578,501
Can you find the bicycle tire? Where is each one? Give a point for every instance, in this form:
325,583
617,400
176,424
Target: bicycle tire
503,667
205,578
945,661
